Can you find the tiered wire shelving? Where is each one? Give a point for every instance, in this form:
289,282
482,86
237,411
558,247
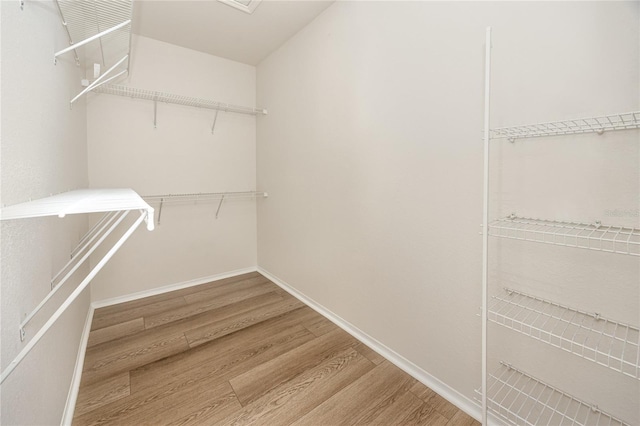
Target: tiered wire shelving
103,29
588,335
594,236
161,200
519,399
512,395
169,98
116,204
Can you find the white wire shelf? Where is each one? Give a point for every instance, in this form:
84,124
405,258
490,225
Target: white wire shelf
201,196
603,341
623,121
150,95
519,399
596,236
80,201
103,29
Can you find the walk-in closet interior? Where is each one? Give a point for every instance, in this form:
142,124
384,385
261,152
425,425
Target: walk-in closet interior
444,192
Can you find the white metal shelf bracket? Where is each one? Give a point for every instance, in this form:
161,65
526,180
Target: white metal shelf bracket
96,83
219,205
66,28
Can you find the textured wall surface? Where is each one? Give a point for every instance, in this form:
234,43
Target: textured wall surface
43,152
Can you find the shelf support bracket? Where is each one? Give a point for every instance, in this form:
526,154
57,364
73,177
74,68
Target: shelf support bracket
219,205
160,210
215,118
98,82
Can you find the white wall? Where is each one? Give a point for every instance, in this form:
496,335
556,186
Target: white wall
179,156
43,151
372,155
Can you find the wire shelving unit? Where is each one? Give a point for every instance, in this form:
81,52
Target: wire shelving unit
588,335
516,397
200,196
623,121
594,236
103,24
520,399
116,204
170,98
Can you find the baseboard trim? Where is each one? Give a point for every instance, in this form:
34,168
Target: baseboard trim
74,388
465,404
171,287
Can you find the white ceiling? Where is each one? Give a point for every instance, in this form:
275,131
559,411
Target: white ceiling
213,27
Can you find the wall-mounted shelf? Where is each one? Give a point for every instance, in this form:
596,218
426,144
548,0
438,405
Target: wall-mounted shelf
603,341
624,121
108,24
116,204
596,236
519,399
200,196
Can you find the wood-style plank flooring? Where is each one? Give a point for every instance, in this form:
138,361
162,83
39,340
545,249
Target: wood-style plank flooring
242,351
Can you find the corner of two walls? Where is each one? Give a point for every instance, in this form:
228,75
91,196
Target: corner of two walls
43,152
181,155
372,156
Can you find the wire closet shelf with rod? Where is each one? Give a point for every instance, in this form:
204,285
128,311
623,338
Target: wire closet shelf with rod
508,394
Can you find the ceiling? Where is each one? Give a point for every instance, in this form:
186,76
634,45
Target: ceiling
212,27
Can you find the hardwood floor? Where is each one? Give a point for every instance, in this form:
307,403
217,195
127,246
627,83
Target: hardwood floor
242,351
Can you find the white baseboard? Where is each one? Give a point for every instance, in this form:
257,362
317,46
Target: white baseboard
464,403
171,287
72,396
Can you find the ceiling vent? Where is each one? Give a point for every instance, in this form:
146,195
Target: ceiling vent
247,6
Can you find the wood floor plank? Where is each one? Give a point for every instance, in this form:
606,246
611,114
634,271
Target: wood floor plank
256,382
135,304
229,325
426,415
286,403
110,319
215,361
320,325
102,393
362,401
195,307
179,405
116,331
222,289
102,362
440,404
396,413
369,353
462,419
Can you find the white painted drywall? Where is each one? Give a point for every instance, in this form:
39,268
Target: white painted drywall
179,156
372,155
43,151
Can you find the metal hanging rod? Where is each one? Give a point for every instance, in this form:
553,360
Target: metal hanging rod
623,121
169,98
200,196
